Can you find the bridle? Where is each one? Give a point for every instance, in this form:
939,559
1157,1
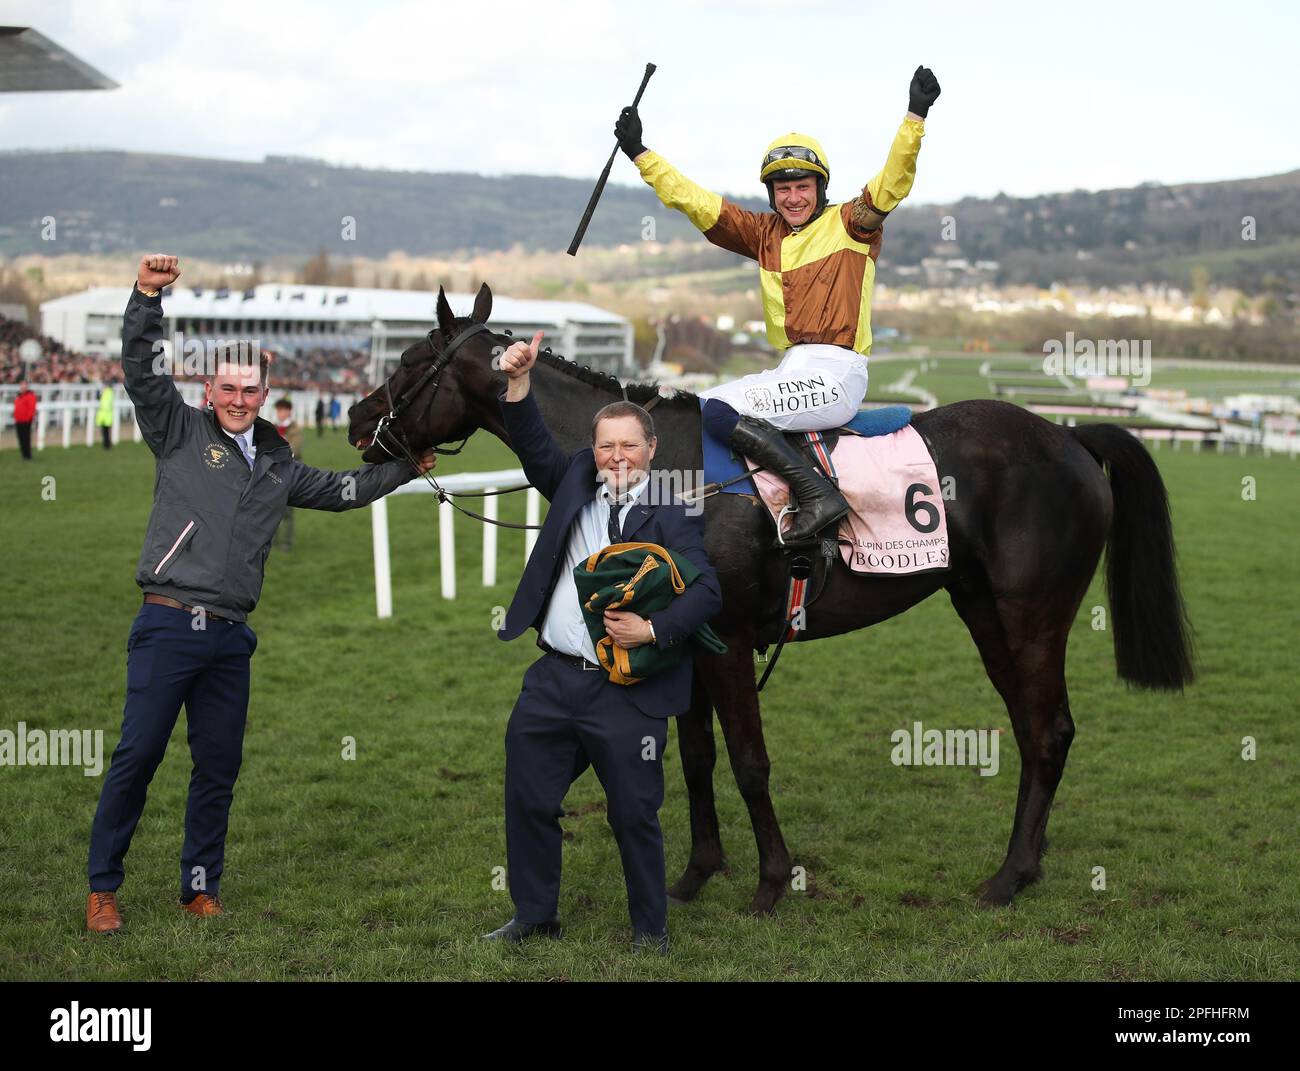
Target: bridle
388,423
388,426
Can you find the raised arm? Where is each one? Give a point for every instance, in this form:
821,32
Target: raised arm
894,181
543,461
160,410
720,221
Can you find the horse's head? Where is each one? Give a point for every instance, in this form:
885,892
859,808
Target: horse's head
444,389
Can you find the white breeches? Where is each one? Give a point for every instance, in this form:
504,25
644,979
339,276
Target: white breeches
814,388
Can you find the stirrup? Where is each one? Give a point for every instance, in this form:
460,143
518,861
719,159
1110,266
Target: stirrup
781,543
780,517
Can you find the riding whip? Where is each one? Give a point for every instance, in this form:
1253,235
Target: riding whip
604,175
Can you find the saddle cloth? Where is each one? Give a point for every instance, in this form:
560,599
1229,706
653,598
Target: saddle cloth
896,524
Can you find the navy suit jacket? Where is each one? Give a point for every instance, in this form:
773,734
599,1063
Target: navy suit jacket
569,482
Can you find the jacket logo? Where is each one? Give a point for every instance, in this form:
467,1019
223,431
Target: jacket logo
759,399
215,455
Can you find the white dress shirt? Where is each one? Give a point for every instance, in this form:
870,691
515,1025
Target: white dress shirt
564,627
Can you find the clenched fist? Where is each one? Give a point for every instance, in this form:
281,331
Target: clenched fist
923,91
157,270
628,132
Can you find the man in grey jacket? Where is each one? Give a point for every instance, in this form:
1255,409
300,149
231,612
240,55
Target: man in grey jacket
223,478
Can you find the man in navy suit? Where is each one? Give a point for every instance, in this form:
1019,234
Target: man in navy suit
569,715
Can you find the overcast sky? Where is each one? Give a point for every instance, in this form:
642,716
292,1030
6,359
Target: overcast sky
1037,97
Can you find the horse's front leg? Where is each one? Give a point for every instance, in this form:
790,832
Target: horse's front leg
730,681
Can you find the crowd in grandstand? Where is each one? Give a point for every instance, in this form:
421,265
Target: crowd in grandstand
56,365
320,369
296,369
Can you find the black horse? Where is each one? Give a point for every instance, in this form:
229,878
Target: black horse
1031,512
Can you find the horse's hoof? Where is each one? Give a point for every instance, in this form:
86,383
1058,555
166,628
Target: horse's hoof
686,888
764,901
993,894
694,878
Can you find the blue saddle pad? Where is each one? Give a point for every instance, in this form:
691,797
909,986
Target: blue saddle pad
720,466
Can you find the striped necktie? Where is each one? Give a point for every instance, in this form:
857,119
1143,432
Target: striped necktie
243,448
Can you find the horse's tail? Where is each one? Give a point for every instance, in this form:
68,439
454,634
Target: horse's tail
1152,631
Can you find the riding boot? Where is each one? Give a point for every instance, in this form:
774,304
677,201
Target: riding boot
818,500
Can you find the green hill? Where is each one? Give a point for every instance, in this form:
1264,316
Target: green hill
106,202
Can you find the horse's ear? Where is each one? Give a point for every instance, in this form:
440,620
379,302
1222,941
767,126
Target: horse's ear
446,318
482,305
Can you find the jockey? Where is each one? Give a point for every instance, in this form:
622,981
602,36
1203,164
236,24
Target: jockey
817,266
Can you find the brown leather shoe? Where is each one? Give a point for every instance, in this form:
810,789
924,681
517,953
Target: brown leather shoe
204,905
102,915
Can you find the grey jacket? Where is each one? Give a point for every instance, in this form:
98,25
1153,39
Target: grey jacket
213,517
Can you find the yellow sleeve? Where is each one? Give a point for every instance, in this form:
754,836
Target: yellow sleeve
676,191
894,182
723,223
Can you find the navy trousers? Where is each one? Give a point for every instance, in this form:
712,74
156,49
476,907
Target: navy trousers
564,720
169,663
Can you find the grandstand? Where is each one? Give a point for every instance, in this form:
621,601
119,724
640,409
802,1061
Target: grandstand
298,320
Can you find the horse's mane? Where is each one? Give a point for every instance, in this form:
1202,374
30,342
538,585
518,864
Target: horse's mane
639,392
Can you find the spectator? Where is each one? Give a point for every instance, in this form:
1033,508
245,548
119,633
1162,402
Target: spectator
104,417
292,434
320,415
24,414
223,476
335,410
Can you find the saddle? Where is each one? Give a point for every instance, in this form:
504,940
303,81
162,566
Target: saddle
725,469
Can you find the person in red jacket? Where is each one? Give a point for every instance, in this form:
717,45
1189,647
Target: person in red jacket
24,414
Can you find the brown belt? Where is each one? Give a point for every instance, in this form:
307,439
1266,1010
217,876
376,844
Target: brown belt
163,600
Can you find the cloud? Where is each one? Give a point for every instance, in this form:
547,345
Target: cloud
1035,101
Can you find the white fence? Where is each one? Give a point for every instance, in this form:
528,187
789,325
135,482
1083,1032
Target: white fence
465,481
65,407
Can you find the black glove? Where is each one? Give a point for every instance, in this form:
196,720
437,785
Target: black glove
628,132
922,92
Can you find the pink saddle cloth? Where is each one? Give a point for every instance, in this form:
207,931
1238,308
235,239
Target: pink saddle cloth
896,525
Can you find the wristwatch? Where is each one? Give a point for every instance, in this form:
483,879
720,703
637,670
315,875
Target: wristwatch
652,631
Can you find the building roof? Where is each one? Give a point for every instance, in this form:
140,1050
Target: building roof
31,62
346,304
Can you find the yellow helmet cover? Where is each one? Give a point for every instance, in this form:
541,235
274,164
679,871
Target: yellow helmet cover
794,152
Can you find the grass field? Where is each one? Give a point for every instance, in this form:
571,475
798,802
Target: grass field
382,867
